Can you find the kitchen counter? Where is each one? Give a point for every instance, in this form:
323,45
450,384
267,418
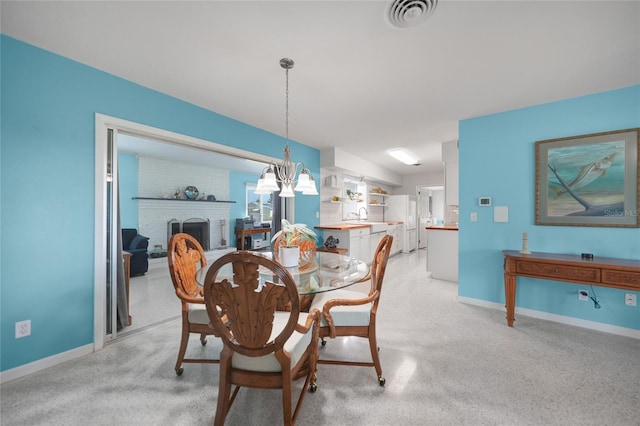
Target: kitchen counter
442,227
349,225
343,226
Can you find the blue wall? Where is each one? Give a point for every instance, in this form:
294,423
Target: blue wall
47,156
497,159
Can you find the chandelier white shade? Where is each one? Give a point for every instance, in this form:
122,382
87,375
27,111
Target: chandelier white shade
285,173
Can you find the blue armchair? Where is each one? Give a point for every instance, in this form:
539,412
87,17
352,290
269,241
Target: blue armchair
137,245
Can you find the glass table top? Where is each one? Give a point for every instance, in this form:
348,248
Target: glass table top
329,271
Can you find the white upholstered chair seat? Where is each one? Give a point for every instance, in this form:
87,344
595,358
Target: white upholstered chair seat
296,346
198,314
351,315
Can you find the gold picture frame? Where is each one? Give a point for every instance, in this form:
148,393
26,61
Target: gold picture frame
589,180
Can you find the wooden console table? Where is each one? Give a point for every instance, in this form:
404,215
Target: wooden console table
600,271
243,232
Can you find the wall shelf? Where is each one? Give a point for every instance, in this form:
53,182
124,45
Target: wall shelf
180,199
379,201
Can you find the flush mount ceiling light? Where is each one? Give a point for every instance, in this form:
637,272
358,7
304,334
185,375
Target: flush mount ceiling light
286,171
408,13
405,157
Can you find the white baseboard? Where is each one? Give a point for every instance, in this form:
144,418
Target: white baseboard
41,364
591,325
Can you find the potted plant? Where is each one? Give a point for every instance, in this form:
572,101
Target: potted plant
354,196
294,244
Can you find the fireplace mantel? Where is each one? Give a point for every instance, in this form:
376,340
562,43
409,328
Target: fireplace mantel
180,199
155,213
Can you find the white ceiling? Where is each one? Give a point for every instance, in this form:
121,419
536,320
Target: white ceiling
358,83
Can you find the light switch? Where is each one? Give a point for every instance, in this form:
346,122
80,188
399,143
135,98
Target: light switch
474,217
501,214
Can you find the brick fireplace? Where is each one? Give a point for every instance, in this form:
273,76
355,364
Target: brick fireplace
159,218
198,228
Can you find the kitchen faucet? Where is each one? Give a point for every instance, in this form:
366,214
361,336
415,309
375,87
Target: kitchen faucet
365,212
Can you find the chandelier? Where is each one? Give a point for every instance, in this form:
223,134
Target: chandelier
286,171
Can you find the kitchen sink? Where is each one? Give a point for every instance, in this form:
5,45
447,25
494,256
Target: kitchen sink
373,226
378,227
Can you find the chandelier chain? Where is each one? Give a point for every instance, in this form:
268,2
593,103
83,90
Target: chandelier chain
287,105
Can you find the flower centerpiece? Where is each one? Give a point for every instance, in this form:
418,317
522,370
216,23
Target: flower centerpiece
294,244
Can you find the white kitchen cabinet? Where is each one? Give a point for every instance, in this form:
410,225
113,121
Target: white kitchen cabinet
410,240
442,254
450,160
356,241
360,244
451,183
375,240
396,232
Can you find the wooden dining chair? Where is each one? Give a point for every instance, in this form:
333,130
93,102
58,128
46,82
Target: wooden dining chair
263,347
350,313
185,256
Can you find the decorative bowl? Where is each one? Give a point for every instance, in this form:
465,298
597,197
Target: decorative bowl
191,192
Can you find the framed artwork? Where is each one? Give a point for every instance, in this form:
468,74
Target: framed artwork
589,180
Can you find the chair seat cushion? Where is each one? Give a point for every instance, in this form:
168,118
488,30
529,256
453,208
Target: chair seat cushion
198,314
351,315
296,346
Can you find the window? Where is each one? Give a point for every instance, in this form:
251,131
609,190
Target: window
354,206
258,204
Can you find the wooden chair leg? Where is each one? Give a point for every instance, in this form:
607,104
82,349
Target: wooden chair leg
183,348
286,399
373,347
224,392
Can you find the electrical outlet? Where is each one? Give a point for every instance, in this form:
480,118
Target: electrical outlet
23,329
630,299
583,295
474,217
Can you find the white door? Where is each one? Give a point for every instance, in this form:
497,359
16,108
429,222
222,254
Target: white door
412,212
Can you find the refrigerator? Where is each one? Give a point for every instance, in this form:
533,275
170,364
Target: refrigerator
404,208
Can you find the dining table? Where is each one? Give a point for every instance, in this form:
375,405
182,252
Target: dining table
327,272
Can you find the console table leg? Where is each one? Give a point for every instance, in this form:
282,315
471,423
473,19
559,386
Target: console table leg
510,298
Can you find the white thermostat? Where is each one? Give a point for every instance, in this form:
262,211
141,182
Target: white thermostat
484,201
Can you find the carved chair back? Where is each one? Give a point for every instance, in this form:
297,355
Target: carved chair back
248,302
185,257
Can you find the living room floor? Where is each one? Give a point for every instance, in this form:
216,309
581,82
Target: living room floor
152,297
445,363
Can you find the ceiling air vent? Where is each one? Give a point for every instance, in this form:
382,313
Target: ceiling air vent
408,13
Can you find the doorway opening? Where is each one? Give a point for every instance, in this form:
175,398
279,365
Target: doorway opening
430,210
108,130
